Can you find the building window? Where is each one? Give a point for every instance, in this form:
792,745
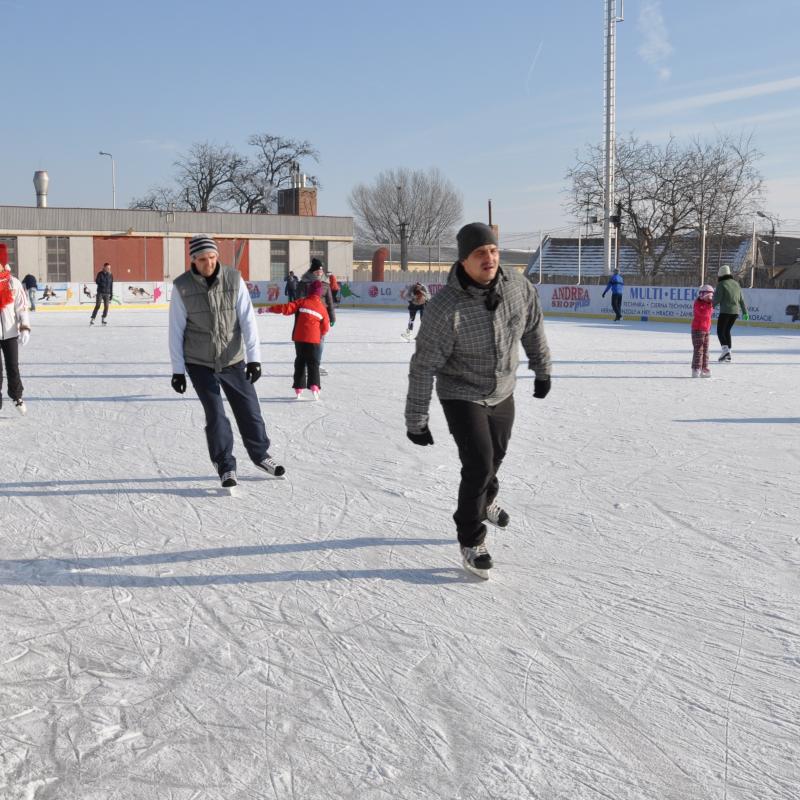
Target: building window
11,244
319,249
278,260
57,259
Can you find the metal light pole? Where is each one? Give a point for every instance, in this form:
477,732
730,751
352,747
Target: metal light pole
703,254
610,123
772,237
113,178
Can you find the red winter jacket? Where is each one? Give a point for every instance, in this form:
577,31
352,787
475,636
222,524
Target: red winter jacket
703,309
311,321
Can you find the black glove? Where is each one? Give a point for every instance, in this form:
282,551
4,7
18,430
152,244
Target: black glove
253,371
423,438
179,382
541,386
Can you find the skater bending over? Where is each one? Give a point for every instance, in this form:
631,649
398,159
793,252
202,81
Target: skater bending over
15,330
701,325
469,345
213,336
728,296
311,323
418,296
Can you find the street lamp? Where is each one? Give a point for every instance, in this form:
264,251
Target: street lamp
772,236
113,179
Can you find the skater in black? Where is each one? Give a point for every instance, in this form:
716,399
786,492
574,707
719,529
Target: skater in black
469,343
418,296
213,336
728,296
105,291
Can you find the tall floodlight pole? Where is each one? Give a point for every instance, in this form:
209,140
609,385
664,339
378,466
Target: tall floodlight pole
611,112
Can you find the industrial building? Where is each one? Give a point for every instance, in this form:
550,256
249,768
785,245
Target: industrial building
63,245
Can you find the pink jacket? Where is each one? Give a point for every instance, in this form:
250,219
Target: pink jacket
703,309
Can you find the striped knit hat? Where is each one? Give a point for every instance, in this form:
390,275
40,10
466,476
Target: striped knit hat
201,244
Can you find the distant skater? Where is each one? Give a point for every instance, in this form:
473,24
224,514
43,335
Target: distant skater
418,296
701,325
105,291
728,296
616,284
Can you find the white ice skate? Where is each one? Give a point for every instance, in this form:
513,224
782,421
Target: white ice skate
477,560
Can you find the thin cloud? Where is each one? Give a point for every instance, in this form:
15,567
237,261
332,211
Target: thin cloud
727,96
655,48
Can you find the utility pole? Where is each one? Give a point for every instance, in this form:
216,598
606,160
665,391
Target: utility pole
610,123
403,231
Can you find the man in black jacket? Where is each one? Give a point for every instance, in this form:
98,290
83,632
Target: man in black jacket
31,287
105,291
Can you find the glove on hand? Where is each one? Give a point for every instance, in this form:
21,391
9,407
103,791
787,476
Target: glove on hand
24,336
541,386
745,316
423,438
333,322
253,371
179,382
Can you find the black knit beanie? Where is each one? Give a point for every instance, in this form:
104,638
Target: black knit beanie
474,235
315,264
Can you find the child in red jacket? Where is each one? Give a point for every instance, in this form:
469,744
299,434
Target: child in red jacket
311,323
701,325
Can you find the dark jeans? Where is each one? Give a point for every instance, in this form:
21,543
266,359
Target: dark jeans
307,357
412,314
616,305
724,325
10,348
482,434
243,400
105,299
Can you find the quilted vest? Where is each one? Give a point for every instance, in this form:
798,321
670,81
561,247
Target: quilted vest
212,337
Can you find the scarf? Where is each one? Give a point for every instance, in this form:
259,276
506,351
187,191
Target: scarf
6,293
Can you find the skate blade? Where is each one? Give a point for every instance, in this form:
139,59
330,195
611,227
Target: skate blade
481,573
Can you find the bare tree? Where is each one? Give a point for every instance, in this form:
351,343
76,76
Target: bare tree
426,201
668,191
217,178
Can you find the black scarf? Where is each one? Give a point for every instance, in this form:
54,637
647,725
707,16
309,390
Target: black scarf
490,292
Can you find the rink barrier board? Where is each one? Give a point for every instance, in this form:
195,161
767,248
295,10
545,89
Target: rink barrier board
772,308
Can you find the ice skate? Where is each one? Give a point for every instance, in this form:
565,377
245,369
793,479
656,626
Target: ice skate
706,373
314,389
91,320
271,466
406,335
497,516
477,560
228,479
103,322
695,373
298,393
20,406
726,354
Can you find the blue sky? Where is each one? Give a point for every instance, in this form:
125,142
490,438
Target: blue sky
498,96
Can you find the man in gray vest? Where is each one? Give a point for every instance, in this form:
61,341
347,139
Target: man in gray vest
213,336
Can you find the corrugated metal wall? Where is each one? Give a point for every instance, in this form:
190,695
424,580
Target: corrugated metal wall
18,219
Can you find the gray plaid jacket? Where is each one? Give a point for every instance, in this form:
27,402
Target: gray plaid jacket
471,351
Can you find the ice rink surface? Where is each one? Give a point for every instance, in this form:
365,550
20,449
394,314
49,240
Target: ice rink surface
316,637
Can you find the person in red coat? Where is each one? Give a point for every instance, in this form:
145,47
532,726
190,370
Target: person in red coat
311,323
701,325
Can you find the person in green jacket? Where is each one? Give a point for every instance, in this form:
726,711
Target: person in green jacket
728,296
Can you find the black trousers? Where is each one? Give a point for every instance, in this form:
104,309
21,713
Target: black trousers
306,362
616,305
482,434
724,325
412,314
105,299
10,349
243,400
